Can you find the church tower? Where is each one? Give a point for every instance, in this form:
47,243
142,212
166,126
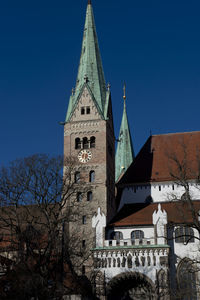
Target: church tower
89,133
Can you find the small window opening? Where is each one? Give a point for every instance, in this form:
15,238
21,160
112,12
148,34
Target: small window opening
117,235
83,243
88,110
82,110
89,196
85,143
137,234
77,177
92,142
184,235
173,187
84,220
79,197
77,143
92,176
159,187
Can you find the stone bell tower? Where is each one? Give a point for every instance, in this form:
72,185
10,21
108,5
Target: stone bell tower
89,134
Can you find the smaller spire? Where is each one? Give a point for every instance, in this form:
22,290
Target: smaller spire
124,154
89,2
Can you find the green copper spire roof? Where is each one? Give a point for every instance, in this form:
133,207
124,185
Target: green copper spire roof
125,154
90,70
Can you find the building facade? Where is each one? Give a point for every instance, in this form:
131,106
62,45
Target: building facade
142,213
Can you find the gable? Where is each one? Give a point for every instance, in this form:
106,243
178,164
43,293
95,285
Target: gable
86,108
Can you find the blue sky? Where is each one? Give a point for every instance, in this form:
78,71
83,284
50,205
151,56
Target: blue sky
152,45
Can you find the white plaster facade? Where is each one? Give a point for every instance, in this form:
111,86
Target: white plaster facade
158,251
159,192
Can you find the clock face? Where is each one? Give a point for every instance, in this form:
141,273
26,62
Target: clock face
84,156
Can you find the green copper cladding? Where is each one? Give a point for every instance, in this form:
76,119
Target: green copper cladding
90,67
125,153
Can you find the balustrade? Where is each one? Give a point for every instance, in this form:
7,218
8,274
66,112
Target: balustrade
130,257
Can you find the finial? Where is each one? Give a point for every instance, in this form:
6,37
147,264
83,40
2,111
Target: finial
89,2
124,88
108,86
72,91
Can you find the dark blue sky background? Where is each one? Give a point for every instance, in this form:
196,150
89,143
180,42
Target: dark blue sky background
152,45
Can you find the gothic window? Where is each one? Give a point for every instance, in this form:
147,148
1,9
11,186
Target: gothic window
137,234
77,143
82,110
187,280
85,143
89,196
87,110
92,142
77,177
92,176
79,197
184,235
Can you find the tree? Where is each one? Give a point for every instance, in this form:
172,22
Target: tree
184,170
38,202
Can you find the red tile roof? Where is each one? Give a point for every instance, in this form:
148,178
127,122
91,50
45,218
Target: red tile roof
156,160
141,214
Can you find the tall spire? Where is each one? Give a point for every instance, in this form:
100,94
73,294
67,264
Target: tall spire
125,153
90,66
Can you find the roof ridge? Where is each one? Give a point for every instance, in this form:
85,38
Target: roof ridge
174,133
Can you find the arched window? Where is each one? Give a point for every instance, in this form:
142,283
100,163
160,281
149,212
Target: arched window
77,177
92,142
79,197
77,143
85,143
117,235
137,234
186,275
184,235
92,176
149,199
89,196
